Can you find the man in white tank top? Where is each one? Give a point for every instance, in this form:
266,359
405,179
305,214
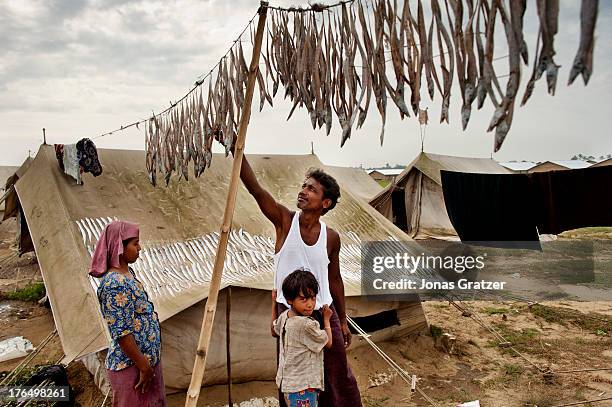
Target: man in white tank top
304,241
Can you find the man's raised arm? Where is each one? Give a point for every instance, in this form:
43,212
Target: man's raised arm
273,210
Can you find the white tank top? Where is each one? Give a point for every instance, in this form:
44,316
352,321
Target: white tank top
295,254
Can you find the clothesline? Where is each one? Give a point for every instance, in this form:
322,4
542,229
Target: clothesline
197,84
201,79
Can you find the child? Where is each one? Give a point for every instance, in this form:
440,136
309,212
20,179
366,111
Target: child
300,366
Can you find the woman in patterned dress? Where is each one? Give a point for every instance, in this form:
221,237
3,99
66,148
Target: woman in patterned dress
133,361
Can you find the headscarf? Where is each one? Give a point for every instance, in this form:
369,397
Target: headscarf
110,246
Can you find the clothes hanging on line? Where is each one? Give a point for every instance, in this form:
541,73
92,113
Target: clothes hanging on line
88,157
71,162
75,159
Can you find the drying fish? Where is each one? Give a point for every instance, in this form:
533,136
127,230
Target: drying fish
502,117
517,12
583,62
548,14
444,40
335,60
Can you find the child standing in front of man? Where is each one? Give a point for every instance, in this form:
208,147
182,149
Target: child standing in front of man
300,367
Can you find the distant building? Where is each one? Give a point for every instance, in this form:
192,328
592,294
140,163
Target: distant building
605,162
518,166
555,165
385,174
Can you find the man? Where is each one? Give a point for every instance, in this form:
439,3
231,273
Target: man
303,241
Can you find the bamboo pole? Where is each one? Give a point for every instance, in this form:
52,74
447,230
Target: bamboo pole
228,356
199,366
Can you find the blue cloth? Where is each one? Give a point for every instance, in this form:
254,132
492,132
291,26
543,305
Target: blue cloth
127,310
304,398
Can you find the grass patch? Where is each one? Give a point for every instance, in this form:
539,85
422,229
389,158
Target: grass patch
573,350
513,370
595,323
598,232
374,402
522,340
24,375
540,399
435,331
553,295
495,311
510,373
31,292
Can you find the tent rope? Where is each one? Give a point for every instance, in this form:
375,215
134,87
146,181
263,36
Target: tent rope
24,363
583,402
482,323
400,371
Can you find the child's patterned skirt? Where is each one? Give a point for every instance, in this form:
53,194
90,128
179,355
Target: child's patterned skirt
304,398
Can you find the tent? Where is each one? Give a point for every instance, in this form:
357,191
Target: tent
415,202
179,236
356,180
518,167
9,206
5,173
556,165
603,163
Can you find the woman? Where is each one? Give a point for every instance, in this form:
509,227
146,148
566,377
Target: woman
133,362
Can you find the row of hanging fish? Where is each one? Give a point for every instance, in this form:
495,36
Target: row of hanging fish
186,133
334,61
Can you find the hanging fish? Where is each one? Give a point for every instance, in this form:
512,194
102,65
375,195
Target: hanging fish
583,62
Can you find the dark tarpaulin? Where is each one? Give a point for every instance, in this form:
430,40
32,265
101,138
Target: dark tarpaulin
491,209
572,199
508,207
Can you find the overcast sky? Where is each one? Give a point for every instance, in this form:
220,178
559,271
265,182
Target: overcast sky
81,68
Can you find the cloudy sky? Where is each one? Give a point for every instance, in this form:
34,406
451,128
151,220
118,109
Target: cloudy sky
81,68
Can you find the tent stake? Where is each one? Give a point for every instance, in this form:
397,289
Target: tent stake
199,366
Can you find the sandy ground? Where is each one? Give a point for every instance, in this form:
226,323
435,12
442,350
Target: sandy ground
563,335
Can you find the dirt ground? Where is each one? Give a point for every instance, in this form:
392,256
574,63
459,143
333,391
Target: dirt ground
470,365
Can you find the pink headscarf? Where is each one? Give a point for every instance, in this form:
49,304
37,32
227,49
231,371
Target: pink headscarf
110,246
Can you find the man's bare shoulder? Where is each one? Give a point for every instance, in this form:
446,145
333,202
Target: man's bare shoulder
287,218
288,214
333,237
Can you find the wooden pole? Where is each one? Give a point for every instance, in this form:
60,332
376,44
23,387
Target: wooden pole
199,366
228,307
44,137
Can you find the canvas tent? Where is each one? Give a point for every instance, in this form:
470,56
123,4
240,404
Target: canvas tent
603,163
9,206
5,173
556,165
415,202
179,235
356,180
